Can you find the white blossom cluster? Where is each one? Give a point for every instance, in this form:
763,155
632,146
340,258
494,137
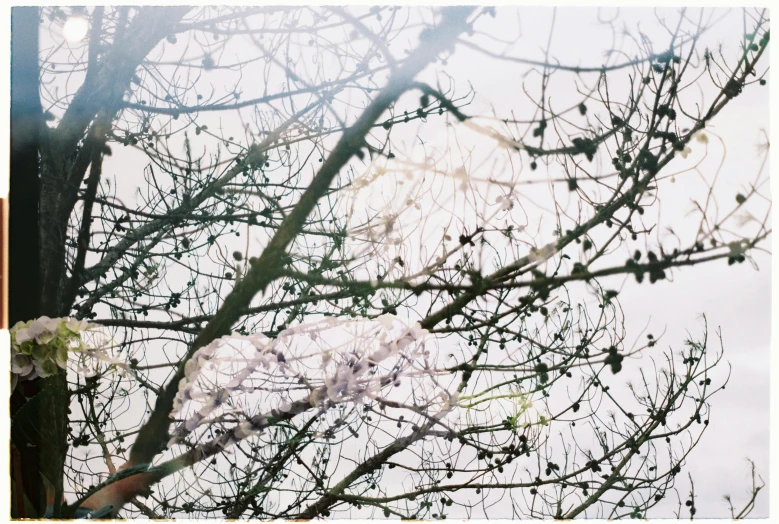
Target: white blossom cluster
316,365
40,346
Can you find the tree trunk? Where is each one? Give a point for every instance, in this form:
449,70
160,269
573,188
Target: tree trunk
24,256
47,167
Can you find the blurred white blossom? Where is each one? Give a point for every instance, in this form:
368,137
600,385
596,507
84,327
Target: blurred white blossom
41,346
317,365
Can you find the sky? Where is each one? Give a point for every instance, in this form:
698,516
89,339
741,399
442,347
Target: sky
736,300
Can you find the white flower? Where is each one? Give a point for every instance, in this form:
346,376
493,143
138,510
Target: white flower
209,350
358,369
45,337
214,402
404,342
193,421
45,368
62,357
386,321
239,377
48,324
21,364
191,368
76,325
380,354
259,360
103,357
44,329
334,391
417,332
23,335
41,332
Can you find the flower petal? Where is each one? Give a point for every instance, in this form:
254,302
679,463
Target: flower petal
23,335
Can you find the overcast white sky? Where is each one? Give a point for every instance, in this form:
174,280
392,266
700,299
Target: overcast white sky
736,299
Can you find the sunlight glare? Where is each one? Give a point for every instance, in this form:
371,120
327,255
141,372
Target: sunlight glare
75,29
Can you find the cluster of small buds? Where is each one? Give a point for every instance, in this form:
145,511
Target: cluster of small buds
315,365
701,137
42,346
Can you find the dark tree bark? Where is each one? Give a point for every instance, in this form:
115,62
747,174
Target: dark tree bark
24,259
48,166
25,119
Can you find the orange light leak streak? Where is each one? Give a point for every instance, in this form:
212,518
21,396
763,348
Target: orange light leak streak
3,263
